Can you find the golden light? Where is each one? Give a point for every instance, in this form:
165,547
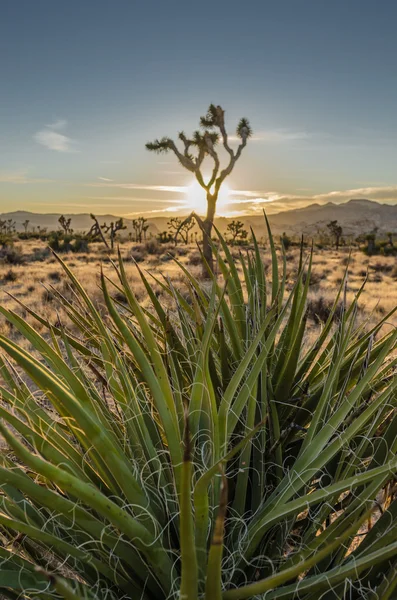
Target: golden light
196,197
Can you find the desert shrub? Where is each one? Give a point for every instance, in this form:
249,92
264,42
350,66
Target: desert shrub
120,297
11,255
166,257
10,276
382,267
315,277
152,246
47,296
320,309
203,451
137,255
39,254
347,260
286,241
54,276
195,259
61,242
80,244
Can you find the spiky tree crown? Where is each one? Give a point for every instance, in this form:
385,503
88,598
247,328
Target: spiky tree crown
204,141
244,130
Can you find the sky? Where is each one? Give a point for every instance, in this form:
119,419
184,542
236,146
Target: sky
85,84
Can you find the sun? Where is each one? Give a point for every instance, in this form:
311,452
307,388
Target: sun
197,201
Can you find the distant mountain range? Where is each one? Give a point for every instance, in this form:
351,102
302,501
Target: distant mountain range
356,216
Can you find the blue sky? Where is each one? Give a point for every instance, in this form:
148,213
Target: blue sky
86,83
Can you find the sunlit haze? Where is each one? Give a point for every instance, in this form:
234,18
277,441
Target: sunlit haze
86,84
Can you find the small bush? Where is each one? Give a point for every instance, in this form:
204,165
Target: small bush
10,276
11,255
382,267
319,309
40,254
195,259
137,256
153,246
47,297
54,276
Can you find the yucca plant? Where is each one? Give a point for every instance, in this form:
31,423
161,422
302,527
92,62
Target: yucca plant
202,449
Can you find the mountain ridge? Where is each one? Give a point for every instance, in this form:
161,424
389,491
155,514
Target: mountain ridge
307,220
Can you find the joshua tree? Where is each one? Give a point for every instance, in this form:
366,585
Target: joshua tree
371,243
236,230
113,228
336,232
10,226
390,238
181,228
140,226
200,146
98,230
164,237
65,224
25,225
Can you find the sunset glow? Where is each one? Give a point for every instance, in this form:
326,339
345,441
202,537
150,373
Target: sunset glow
197,201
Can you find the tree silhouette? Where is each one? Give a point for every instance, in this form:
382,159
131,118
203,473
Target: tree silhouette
98,230
180,228
236,230
140,226
25,225
65,224
336,232
10,226
113,228
199,147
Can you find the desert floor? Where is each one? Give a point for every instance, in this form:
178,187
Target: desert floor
34,282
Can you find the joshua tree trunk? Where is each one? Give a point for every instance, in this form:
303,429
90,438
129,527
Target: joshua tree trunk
207,230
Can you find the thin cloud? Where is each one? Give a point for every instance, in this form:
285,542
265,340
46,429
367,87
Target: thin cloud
136,199
137,186
51,138
20,177
252,202
58,124
105,179
276,136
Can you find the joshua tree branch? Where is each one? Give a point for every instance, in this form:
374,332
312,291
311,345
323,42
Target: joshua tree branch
192,215
99,230
185,161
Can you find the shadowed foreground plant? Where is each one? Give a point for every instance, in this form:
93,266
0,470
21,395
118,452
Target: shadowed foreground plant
199,451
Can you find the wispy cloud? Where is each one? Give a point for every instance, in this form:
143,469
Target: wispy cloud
137,199
20,177
105,179
138,186
276,136
52,138
253,201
